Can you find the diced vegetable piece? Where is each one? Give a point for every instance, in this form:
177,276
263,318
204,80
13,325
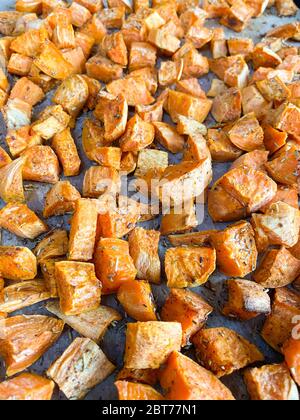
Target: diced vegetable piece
271,383
99,180
22,139
149,159
11,181
134,89
16,113
184,379
30,42
253,160
138,135
52,120
273,139
4,158
189,267
136,298
72,94
273,89
179,219
24,339
134,392
188,308
51,62
80,368
283,167
103,69
92,324
227,106
142,54
26,387
79,289
144,376
115,118
291,351
220,146
41,165
113,264
168,137
83,230
149,344
223,351
61,199
287,118
280,323
17,263
189,106
191,239
113,45
236,250
238,16
286,194
247,134
27,91
250,187
223,207
143,248
48,271
20,295
253,101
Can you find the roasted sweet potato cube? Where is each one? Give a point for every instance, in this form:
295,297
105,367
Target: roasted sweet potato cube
138,135
95,28
168,137
21,221
94,368
194,64
113,17
22,139
21,295
83,230
143,248
17,263
76,58
64,35
92,5
41,165
16,113
22,333
157,339
142,54
223,207
79,14
151,113
184,379
227,106
55,244
250,187
166,42
149,159
247,134
51,121
92,324
134,29
246,300
185,181
218,48
113,45
188,308
281,224
11,181
263,56
85,42
271,383
48,271
182,104
286,194
136,391
179,219
240,46
114,117
19,64
61,199
144,376
30,42
236,250
27,386
190,127
101,68
291,351
286,119
114,265
223,351
72,94
273,89
93,139
220,146
99,180
191,239
64,146
215,8
238,16
279,268
8,22
273,139
79,290
255,160
280,323
189,267
137,300
134,89
253,101
286,7
170,72
51,62
283,167
109,156
237,74
27,91
191,87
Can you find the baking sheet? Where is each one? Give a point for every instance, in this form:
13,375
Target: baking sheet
113,342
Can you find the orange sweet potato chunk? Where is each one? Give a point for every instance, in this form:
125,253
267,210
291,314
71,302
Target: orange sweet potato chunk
291,351
189,267
79,290
138,135
17,263
149,344
136,298
247,134
64,146
41,165
236,249
113,264
223,207
27,91
246,300
184,379
284,167
26,387
83,230
280,323
273,139
279,268
188,308
271,383
135,392
143,248
251,188
24,339
61,199
223,351
52,62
